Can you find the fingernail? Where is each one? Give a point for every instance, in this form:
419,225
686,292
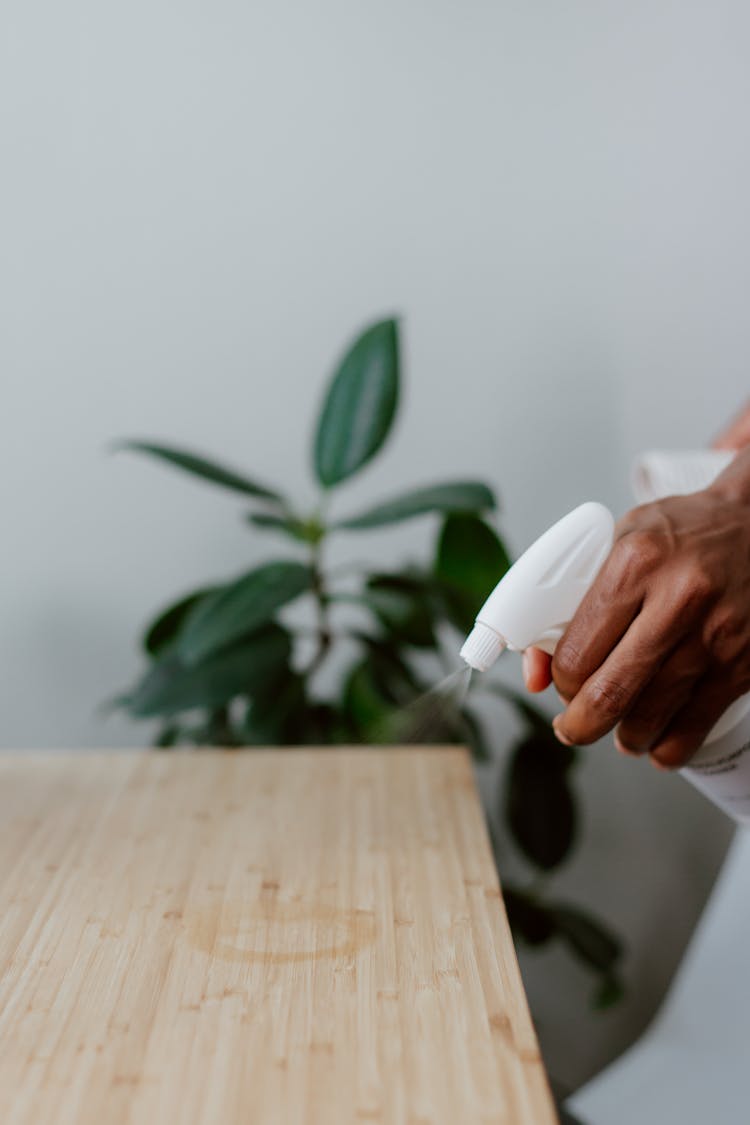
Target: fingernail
560,734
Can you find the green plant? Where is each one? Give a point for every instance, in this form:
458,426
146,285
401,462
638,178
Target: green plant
226,666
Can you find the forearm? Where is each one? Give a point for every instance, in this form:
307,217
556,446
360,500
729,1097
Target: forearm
734,482
737,434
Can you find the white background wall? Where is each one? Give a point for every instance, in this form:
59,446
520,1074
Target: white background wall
201,202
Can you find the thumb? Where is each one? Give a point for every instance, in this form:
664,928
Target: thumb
537,672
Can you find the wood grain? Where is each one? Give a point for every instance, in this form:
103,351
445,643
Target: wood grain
276,937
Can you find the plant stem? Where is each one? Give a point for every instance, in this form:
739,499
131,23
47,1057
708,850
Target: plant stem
219,730
349,568
320,593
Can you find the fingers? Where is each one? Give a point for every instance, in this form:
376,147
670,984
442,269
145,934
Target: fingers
662,699
660,645
601,620
688,731
609,693
537,669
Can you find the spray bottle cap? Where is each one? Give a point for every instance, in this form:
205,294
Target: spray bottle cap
482,647
534,600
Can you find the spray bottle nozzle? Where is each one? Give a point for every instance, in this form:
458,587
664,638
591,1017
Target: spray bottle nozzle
537,597
482,647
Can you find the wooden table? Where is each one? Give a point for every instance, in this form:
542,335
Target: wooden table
281,937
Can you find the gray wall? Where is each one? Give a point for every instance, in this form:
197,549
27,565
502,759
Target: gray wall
200,202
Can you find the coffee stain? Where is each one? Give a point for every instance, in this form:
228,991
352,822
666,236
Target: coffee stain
278,932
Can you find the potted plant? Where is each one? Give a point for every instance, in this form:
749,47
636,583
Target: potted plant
227,665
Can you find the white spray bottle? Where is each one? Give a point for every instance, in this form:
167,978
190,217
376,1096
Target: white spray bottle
534,601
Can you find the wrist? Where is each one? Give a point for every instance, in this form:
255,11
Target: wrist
733,484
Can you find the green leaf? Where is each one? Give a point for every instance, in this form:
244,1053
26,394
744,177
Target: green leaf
277,718
540,808
609,992
365,705
403,608
537,922
415,715
164,629
412,581
202,467
325,724
460,496
251,666
218,729
240,607
215,729
527,918
167,737
384,701
304,531
589,938
395,678
470,561
360,405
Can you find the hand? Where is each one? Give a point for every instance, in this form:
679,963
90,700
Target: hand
660,646
737,433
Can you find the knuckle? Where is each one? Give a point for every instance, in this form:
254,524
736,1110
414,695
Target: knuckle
630,520
607,697
726,637
566,666
637,519
702,583
692,587
641,550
